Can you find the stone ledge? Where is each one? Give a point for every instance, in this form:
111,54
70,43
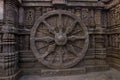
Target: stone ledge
65,72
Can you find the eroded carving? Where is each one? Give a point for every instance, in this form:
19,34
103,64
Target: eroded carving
29,20
59,39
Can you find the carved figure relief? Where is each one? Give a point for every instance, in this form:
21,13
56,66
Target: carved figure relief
29,20
59,39
85,13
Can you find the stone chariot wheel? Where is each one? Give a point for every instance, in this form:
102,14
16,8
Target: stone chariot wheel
59,39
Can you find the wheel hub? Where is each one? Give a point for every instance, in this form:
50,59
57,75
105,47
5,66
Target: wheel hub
60,38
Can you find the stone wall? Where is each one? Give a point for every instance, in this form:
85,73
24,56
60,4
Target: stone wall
114,36
15,50
9,68
93,16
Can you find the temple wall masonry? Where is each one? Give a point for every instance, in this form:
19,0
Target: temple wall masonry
114,36
54,38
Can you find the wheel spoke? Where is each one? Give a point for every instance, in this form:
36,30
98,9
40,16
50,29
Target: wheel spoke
77,31
76,46
53,58
43,31
60,24
73,38
51,28
46,39
61,53
43,47
66,21
51,49
70,29
70,48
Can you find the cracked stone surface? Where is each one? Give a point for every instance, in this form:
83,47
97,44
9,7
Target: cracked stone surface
112,74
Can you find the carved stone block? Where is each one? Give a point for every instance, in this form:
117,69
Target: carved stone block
59,1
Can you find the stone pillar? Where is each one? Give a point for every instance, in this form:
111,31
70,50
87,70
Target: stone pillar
98,20
1,23
1,9
9,61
